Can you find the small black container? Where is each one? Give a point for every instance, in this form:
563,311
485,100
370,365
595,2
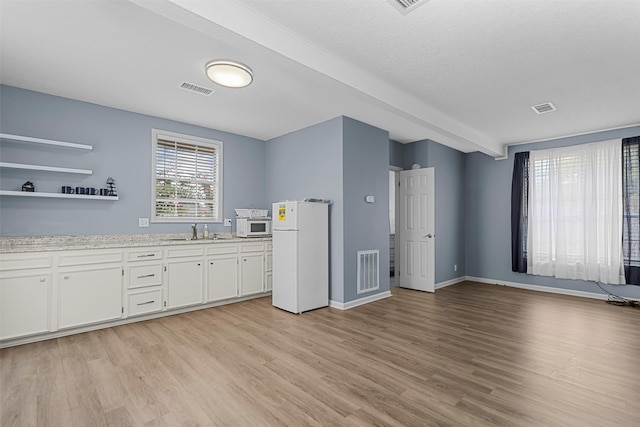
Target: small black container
28,186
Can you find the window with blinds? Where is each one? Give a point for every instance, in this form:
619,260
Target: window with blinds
187,178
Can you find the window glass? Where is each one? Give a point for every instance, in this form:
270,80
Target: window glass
187,178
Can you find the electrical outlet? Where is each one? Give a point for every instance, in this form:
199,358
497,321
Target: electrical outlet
143,222
455,267
227,222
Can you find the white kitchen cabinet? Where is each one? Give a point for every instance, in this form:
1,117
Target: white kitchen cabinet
222,277
90,294
268,281
184,282
44,292
24,304
251,273
268,275
252,267
143,278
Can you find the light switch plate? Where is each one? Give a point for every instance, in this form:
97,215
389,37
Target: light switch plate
143,222
227,222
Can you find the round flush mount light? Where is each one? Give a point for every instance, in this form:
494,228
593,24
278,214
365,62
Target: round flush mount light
229,73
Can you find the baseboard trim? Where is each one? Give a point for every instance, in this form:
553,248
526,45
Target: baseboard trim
359,301
539,288
450,282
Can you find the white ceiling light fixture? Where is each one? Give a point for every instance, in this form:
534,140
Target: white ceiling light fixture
229,73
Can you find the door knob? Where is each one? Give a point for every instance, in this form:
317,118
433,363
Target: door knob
429,235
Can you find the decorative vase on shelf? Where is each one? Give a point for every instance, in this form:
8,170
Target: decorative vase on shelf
28,186
112,187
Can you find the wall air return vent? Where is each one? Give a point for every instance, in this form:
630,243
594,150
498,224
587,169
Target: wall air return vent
547,107
406,6
368,276
195,88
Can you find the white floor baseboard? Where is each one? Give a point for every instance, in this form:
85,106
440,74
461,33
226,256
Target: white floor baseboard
359,301
450,282
538,288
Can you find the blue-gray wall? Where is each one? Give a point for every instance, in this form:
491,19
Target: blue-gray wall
396,153
366,225
342,160
450,209
122,150
308,163
488,221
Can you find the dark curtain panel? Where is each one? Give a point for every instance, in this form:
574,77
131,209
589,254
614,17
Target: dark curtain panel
519,212
631,206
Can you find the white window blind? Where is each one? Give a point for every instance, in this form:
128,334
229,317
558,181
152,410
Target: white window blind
187,180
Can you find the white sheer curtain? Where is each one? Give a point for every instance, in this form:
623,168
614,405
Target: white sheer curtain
575,212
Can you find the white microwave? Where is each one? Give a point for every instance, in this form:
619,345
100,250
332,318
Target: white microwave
253,227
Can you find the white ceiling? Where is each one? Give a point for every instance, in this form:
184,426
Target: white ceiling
461,72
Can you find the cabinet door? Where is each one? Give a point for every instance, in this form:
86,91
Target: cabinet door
269,257
90,296
24,305
268,281
251,273
222,278
184,283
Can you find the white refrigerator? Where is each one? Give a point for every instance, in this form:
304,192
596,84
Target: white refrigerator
300,255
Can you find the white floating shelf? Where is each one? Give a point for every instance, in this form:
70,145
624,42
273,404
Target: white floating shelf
20,138
45,168
55,195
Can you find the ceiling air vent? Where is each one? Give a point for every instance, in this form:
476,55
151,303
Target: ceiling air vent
406,6
547,107
195,88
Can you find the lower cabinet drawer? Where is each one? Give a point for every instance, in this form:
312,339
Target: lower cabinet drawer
145,275
145,302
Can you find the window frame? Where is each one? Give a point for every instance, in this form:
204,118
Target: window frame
157,134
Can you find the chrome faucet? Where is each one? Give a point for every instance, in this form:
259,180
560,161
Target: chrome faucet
195,231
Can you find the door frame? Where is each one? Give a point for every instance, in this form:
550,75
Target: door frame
396,256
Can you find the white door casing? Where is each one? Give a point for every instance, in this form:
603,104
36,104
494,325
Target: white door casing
417,229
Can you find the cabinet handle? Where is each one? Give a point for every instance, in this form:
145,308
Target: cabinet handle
146,255
146,275
148,302
198,264
42,280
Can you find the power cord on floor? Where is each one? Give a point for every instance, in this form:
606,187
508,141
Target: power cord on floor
618,300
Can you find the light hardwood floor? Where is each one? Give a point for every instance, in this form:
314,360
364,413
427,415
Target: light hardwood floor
468,355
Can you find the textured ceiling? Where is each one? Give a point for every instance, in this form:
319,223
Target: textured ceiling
463,73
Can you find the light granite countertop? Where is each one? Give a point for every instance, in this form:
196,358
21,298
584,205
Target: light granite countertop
63,243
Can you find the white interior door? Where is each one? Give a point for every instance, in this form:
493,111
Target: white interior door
417,229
